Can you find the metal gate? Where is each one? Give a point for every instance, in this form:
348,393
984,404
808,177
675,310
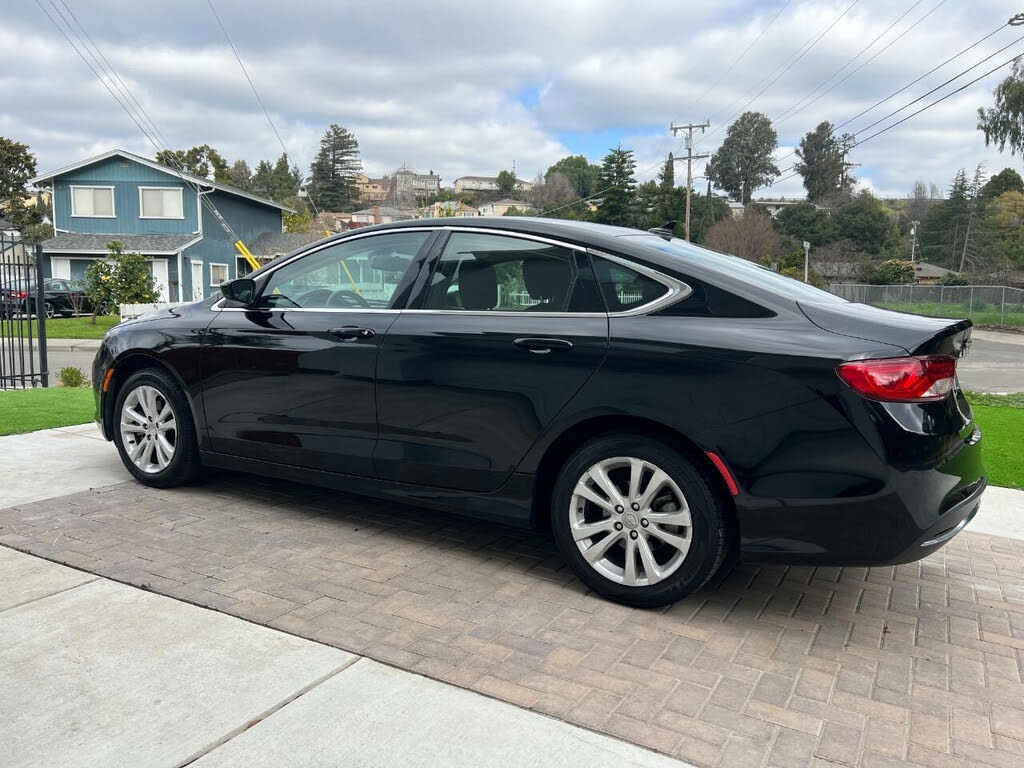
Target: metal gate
22,328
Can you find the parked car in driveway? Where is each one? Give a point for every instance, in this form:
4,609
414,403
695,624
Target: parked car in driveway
661,408
60,297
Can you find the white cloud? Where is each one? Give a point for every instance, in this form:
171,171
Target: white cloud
468,88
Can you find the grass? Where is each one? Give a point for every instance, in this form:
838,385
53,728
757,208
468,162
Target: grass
981,314
26,410
1002,420
72,327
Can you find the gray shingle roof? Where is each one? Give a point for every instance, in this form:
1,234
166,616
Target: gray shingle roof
71,242
277,243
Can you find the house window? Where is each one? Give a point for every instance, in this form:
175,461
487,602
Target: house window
218,274
92,201
160,203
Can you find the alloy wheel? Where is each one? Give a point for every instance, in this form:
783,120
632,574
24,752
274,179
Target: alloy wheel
148,429
48,308
630,521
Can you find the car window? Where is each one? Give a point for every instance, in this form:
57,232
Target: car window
351,274
55,285
624,288
500,273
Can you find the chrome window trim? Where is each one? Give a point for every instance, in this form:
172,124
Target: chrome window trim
677,289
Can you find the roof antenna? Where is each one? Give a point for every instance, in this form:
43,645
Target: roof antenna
664,231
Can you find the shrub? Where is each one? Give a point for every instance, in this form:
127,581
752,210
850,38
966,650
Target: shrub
71,376
954,278
889,272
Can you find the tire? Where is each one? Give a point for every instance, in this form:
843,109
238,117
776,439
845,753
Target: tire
679,564
147,392
48,308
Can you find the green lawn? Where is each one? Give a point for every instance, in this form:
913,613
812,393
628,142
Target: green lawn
1003,426
981,314
26,410
73,327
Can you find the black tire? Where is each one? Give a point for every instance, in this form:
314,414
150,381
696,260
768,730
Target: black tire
184,465
707,534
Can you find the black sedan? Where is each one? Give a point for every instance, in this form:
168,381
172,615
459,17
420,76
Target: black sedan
661,408
60,297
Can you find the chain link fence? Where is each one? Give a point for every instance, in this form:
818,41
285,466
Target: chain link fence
984,304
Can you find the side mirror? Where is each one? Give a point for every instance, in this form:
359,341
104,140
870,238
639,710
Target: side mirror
240,291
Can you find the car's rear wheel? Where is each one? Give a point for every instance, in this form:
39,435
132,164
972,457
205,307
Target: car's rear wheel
49,309
638,520
154,432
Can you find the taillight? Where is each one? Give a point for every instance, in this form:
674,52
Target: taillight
901,379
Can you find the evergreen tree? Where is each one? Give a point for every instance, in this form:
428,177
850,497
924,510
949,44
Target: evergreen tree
744,161
667,190
617,187
240,176
822,163
333,172
581,173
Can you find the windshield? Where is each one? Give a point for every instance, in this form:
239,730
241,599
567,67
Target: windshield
741,268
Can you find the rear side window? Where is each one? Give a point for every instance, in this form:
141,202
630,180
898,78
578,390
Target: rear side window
497,273
711,301
624,288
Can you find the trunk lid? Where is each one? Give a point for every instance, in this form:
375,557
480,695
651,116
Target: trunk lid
917,334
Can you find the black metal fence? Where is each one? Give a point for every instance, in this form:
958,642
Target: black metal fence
22,328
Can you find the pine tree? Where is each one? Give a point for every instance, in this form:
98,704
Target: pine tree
822,163
333,172
667,190
617,187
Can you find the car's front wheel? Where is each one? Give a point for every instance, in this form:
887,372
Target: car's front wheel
154,432
638,521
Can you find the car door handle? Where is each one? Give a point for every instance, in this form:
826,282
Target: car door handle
351,333
542,346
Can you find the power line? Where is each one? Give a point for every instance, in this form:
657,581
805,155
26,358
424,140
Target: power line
800,105
913,114
774,78
913,82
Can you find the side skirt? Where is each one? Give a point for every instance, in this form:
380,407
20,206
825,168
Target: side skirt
510,505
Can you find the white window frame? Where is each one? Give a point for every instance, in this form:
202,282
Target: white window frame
181,194
113,202
227,272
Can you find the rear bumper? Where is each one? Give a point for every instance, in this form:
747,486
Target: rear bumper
913,515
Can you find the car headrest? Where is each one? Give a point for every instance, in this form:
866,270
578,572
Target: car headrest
546,278
478,285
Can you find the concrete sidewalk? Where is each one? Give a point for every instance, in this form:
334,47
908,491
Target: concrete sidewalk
96,673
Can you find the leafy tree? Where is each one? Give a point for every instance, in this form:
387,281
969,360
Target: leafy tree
17,166
822,163
507,183
805,221
706,210
333,172
868,223
922,198
751,237
551,191
1004,181
240,177
888,272
581,173
1003,124
744,161
301,220
202,160
619,186
99,285
132,281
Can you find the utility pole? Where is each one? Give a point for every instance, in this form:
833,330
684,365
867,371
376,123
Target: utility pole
913,240
690,157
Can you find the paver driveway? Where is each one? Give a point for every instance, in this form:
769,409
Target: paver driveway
919,664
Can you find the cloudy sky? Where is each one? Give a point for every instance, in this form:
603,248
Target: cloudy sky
469,88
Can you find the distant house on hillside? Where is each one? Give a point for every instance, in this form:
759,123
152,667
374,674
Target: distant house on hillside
501,207
153,210
448,208
929,274
485,184
772,205
380,214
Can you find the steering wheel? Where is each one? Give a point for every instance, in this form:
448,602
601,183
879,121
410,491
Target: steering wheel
345,299
314,298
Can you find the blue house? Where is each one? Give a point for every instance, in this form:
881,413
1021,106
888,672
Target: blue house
153,211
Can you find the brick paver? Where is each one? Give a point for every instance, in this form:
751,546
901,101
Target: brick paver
916,665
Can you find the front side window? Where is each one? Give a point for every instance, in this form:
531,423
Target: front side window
479,272
624,288
352,274
92,201
218,274
160,203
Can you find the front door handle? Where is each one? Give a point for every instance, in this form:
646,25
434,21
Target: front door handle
351,333
541,345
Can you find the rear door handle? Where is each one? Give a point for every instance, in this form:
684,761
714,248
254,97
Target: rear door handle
541,345
351,333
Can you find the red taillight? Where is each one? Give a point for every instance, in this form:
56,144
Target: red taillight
22,295
901,379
